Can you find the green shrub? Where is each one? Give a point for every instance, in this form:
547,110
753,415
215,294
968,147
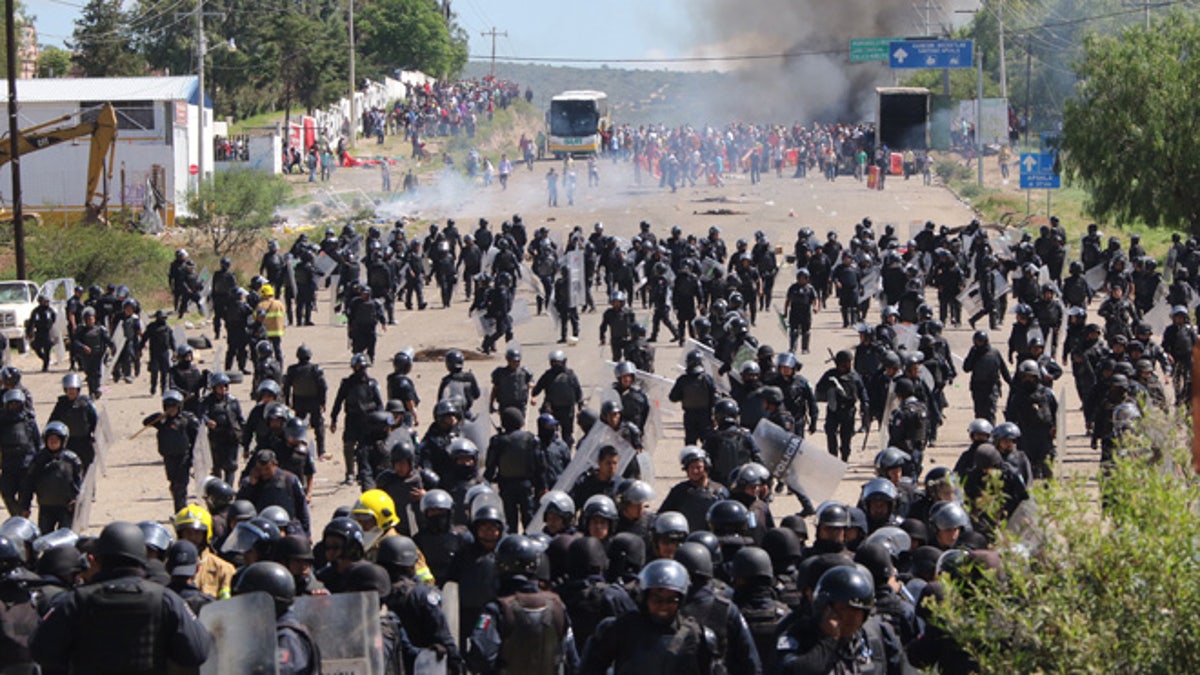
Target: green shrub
969,190
1112,588
950,170
97,255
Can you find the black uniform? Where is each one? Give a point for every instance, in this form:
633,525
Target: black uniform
305,390
800,300
359,392
56,479
224,438
730,446
161,340
525,630
510,387
563,395
633,643
90,344
514,464
176,438
19,440
120,623
696,392
620,323
81,419
363,314
693,502
908,430
734,645
987,368
841,390
419,606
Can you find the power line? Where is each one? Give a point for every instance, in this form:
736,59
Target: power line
677,59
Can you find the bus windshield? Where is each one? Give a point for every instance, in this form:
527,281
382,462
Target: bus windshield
573,118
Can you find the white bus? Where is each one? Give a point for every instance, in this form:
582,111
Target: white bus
576,120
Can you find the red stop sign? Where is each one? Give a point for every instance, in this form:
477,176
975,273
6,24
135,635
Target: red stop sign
193,169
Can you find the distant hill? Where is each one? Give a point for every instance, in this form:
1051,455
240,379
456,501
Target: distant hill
777,94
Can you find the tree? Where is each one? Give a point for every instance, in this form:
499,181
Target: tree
236,207
1130,135
410,34
53,62
1099,585
102,42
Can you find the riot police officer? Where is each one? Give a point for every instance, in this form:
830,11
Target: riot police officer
563,393
842,388
511,383
76,410
359,392
177,430
305,391
514,464
221,413
94,628
400,386
694,496
987,368
418,604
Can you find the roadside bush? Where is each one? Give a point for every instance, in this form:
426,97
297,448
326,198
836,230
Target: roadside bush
97,255
1112,588
950,170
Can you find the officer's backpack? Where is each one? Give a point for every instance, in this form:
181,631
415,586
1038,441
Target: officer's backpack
535,626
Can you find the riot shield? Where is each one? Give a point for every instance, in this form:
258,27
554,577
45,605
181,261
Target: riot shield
520,311
1159,317
483,325
871,287
907,337
83,505
324,264
783,324
59,537
201,462
1095,277
289,265
180,335
530,280
972,304
657,390
577,284
104,438
744,355
450,608
205,291
889,406
335,319
1001,283
346,628
640,272
586,457
58,334
480,429
1023,524
428,663
1061,421
799,463
243,630
118,339
712,364
489,258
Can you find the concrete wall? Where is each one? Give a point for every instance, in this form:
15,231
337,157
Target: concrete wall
265,155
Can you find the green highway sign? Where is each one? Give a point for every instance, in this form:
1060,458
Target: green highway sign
863,50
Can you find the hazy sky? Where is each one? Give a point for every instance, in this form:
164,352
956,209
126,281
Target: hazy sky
612,29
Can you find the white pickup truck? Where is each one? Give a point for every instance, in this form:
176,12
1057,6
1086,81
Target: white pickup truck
17,301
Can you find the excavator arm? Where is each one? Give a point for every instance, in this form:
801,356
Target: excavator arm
103,132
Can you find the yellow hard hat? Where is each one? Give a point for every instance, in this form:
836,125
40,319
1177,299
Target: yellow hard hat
194,517
267,291
378,504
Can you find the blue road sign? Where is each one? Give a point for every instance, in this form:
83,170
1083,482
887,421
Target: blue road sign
931,54
1037,172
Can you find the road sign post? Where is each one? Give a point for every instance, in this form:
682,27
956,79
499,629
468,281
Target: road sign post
915,54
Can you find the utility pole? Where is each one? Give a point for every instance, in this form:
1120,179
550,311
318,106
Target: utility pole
979,122
493,34
201,54
353,85
1003,61
14,134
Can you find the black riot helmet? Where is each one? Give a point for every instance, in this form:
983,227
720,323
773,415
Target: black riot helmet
844,584
271,578
517,554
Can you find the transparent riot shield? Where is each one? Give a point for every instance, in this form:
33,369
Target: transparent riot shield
346,628
482,324
1095,277
577,283
243,630
657,390
87,496
890,404
520,311
972,304
871,287
104,438
907,337
712,365
324,264
59,537
531,281
799,463
1023,523
489,258
1061,423
202,463
118,339
783,324
428,663
289,265
58,334
450,607
335,319
586,456
180,335
1159,317
205,291
480,429
744,355
1001,283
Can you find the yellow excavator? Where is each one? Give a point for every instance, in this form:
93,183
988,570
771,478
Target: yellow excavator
103,130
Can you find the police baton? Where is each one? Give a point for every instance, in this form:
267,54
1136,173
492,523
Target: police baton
147,425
